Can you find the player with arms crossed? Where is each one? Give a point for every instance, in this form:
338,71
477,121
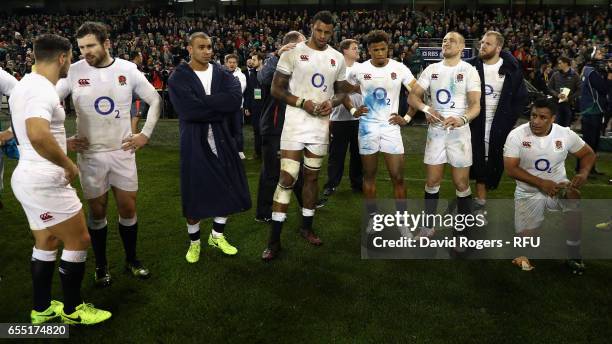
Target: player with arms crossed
380,80
41,183
311,80
454,86
102,88
534,155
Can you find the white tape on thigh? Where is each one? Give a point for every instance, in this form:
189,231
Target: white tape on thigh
282,194
313,164
292,167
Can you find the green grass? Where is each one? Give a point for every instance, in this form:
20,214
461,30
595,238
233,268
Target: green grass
325,294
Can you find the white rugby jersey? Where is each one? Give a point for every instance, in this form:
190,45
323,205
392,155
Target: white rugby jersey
312,77
381,87
102,98
7,82
543,157
493,88
340,113
34,96
448,86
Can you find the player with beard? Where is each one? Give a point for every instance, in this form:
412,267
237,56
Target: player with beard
41,183
503,98
102,88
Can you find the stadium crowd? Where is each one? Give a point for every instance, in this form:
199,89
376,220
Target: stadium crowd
536,38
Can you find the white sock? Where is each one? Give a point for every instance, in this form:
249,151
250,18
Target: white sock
216,235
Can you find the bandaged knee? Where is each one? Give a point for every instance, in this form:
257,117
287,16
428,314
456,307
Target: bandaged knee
292,167
282,194
313,164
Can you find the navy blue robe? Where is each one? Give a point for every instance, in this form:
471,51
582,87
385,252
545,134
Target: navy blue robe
210,185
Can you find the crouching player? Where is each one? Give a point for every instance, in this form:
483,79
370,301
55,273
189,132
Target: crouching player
534,155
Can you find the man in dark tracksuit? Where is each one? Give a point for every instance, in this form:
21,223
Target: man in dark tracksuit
253,99
491,128
564,77
271,126
593,102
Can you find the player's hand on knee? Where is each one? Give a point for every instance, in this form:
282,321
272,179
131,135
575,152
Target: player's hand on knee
77,144
578,181
135,142
396,119
549,187
71,172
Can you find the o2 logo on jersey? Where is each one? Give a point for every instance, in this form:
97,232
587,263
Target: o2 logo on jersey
380,94
105,106
443,96
489,91
318,81
543,165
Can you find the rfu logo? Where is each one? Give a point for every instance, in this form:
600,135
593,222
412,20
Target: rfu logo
83,82
304,57
46,217
367,77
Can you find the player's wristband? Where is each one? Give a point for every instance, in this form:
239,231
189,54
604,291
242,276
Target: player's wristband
465,119
426,109
352,111
300,103
407,118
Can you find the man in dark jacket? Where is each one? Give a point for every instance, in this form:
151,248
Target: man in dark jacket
593,102
503,98
564,85
271,127
213,182
253,99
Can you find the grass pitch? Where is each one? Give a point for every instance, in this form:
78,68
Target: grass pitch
325,294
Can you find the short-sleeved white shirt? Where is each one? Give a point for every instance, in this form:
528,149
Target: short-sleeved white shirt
34,96
448,86
381,87
102,98
543,157
312,77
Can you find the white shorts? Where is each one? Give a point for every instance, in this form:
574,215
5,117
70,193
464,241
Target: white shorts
101,170
453,147
377,137
529,209
319,149
44,193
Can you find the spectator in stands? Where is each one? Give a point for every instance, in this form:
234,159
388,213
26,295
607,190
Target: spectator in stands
564,84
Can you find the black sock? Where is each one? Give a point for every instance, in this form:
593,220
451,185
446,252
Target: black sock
573,251
401,205
98,244
71,275
307,222
194,236
464,207
275,232
42,277
218,227
431,207
128,236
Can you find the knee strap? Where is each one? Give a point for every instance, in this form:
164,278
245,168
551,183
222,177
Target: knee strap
292,167
313,164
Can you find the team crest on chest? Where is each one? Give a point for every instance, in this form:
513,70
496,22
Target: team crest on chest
459,77
393,76
558,145
333,62
122,80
